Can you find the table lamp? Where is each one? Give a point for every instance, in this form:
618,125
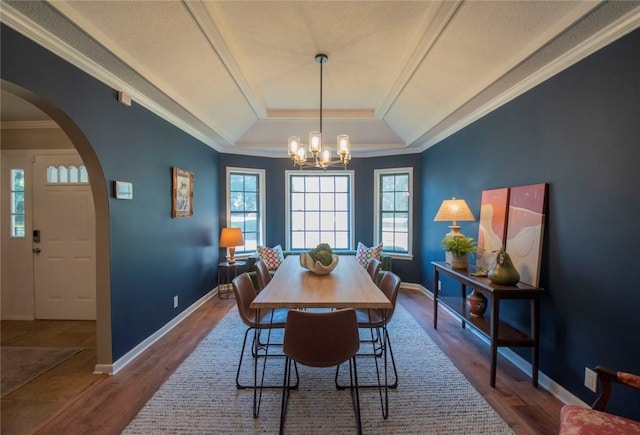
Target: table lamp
454,210
230,238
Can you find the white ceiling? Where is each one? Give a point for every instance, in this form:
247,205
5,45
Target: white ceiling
401,75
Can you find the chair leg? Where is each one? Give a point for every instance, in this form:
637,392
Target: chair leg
286,383
377,352
254,354
244,343
355,395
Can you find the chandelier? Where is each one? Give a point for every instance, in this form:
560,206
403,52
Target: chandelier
320,158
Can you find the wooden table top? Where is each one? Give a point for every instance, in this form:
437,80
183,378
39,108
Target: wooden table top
347,286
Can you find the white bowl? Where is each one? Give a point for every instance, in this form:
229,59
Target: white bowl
315,266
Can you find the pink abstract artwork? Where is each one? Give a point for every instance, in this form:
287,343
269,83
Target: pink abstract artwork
493,225
527,210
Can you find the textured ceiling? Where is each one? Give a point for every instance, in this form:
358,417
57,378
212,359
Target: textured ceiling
401,75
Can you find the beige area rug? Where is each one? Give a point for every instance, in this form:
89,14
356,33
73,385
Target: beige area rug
433,397
23,364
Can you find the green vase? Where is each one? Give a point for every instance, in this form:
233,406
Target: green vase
503,272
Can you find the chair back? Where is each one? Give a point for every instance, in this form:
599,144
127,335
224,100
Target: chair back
262,272
321,339
245,293
390,285
373,268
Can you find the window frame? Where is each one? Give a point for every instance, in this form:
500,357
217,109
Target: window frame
351,180
12,200
377,198
261,173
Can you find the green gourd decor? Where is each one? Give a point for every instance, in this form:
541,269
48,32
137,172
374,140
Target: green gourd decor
503,272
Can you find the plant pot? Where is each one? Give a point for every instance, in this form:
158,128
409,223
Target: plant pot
477,303
457,261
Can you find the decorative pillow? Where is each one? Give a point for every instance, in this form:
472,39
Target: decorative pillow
365,254
272,256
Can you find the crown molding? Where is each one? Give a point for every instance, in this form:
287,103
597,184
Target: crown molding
617,29
41,36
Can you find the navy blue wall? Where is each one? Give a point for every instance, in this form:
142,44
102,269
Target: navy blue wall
153,257
579,132
275,169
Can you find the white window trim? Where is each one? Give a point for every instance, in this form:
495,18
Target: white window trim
263,201
288,173
376,209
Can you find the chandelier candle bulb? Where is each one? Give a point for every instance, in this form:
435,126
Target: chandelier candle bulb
315,142
343,144
326,157
302,155
293,145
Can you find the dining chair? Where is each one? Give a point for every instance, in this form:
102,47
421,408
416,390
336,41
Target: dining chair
262,273
376,321
321,339
245,292
373,268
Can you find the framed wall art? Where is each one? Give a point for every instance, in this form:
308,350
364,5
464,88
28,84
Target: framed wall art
527,209
493,226
182,196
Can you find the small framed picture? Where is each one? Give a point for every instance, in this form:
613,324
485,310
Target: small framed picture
122,190
182,198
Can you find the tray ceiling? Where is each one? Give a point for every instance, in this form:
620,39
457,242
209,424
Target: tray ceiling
401,75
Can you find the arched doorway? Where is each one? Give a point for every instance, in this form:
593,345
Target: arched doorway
99,191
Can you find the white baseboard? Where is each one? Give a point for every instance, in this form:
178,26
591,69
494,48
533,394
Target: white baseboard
112,369
545,382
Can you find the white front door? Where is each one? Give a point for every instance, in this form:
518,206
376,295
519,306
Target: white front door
63,239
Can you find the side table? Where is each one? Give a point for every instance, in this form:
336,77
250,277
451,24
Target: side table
226,272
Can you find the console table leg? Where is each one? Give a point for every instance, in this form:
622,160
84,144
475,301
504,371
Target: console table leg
535,331
463,291
436,294
495,316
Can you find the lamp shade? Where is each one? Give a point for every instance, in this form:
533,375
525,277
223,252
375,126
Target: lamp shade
454,210
230,237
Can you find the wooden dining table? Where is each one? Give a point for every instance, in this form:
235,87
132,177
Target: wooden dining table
349,285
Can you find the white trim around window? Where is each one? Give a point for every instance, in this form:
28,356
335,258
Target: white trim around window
261,225
377,213
350,206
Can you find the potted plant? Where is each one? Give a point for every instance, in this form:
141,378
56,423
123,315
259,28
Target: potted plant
457,250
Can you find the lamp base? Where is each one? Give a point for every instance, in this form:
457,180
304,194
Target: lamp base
231,252
455,231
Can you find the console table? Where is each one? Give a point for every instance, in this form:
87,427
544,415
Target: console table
498,332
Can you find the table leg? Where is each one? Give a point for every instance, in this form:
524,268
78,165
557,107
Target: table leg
495,322
535,330
463,294
436,294
254,352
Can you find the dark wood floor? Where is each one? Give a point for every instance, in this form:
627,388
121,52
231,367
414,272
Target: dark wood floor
70,400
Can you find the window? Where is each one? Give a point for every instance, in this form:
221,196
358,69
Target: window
245,205
67,175
393,209
319,209
17,203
